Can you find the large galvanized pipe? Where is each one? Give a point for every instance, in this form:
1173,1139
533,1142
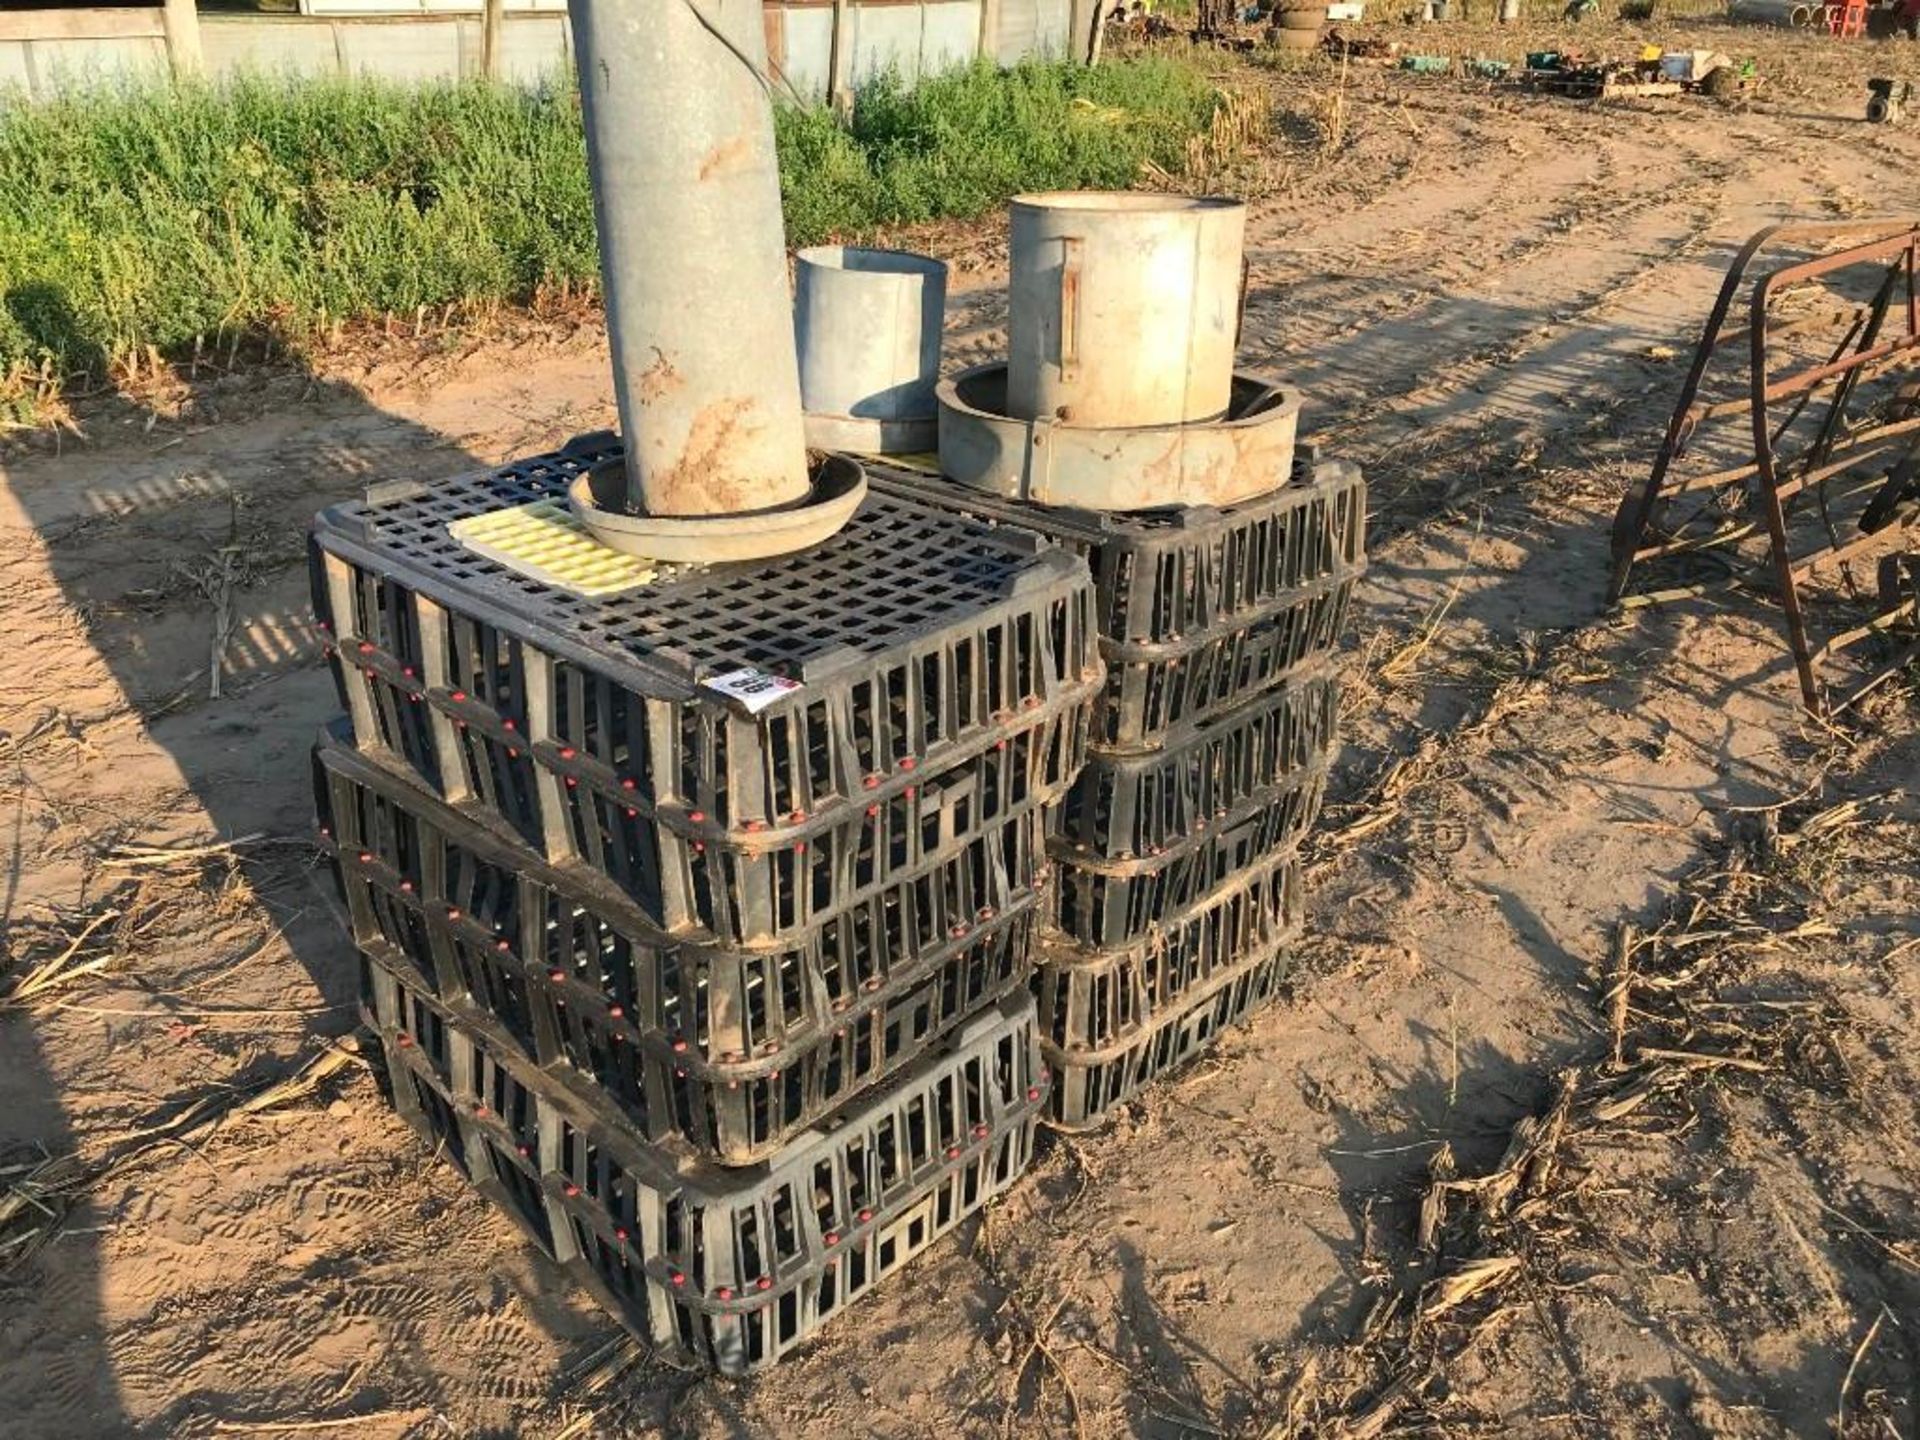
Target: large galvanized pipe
686,195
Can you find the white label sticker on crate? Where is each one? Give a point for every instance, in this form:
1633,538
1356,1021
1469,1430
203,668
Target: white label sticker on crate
755,689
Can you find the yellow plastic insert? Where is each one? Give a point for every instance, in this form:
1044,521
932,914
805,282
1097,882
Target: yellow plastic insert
544,542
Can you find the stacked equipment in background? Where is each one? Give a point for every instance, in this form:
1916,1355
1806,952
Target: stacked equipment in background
697,918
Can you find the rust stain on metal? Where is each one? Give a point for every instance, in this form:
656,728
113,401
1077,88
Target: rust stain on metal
1069,320
702,479
658,380
734,154
1220,480
773,25
1163,475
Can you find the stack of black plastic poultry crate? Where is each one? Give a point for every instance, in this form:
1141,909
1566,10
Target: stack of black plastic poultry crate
1179,887
725,1000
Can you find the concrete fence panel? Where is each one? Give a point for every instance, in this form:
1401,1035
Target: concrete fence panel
44,51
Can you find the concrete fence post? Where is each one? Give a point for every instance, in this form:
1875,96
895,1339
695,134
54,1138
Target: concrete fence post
493,19
182,21
839,92
989,42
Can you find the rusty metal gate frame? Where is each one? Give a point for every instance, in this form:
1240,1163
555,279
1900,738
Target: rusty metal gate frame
1772,479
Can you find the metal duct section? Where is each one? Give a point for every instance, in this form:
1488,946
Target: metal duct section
687,199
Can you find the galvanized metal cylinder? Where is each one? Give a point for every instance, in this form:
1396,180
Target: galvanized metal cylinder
867,324
686,196
1123,309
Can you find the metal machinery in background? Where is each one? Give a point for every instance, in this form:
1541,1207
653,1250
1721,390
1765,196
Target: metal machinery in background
1887,100
1799,430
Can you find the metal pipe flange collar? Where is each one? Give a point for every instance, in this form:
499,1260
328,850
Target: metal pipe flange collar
598,498
1246,453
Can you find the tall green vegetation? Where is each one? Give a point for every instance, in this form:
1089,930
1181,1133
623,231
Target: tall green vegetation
134,221
961,143
152,217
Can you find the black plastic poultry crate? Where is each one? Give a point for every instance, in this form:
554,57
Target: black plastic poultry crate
1162,575
1154,694
1092,1001
729,1051
1198,607
753,891
1087,1088
1124,806
1103,904
917,643
730,1269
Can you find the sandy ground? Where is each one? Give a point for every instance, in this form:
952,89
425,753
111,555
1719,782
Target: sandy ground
1481,292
